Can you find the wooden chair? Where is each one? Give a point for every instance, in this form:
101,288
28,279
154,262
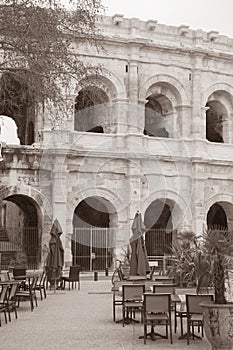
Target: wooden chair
195,313
180,305
74,276
29,294
157,312
117,296
3,298
164,288
41,285
11,299
132,302
19,271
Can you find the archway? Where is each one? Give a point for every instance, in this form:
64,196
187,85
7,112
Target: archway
219,108
15,102
92,243
216,217
155,116
8,131
20,233
89,110
159,230
214,121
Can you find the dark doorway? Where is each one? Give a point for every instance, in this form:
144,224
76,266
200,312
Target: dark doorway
216,218
92,239
19,232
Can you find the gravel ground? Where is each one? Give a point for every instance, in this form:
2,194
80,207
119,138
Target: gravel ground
80,320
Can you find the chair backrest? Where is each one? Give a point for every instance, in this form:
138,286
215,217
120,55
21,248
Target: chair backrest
10,275
193,302
43,278
40,278
4,277
133,292
19,271
164,279
74,273
157,303
164,288
13,290
185,290
3,295
32,285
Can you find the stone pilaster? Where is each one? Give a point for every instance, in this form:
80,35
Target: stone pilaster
183,121
198,122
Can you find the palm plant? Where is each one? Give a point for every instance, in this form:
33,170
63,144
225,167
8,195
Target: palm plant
204,261
217,252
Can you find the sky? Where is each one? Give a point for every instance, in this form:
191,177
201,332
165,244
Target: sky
199,14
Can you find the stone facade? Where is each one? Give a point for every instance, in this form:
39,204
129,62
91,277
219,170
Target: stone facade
158,137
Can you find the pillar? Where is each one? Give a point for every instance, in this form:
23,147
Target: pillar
198,122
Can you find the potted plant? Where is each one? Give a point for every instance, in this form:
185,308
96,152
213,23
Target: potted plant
185,259
216,248
204,261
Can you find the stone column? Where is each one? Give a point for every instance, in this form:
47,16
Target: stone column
198,205
183,121
198,122
60,173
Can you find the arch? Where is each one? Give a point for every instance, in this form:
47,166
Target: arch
220,86
22,220
8,130
109,83
218,198
40,201
93,233
116,203
174,85
181,210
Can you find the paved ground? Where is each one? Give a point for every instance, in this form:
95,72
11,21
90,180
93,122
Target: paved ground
80,320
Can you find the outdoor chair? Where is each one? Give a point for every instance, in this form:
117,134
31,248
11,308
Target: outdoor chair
11,299
19,271
29,294
117,296
164,288
157,312
132,302
74,276
41,285
195,313
178,301
3,298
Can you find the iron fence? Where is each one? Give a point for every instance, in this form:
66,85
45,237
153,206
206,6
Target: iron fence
20,247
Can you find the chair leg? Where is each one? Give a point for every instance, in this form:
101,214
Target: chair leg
145,330
170,326
78,284
44,292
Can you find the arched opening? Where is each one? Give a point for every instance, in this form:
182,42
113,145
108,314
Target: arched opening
8,131
89,110
92,243
215,121
159,229
19,232
16,103
155,116
217,218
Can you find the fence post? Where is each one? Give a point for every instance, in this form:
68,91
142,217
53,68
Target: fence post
95,275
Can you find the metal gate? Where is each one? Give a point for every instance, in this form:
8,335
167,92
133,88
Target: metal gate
19,247
159,246
92,247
